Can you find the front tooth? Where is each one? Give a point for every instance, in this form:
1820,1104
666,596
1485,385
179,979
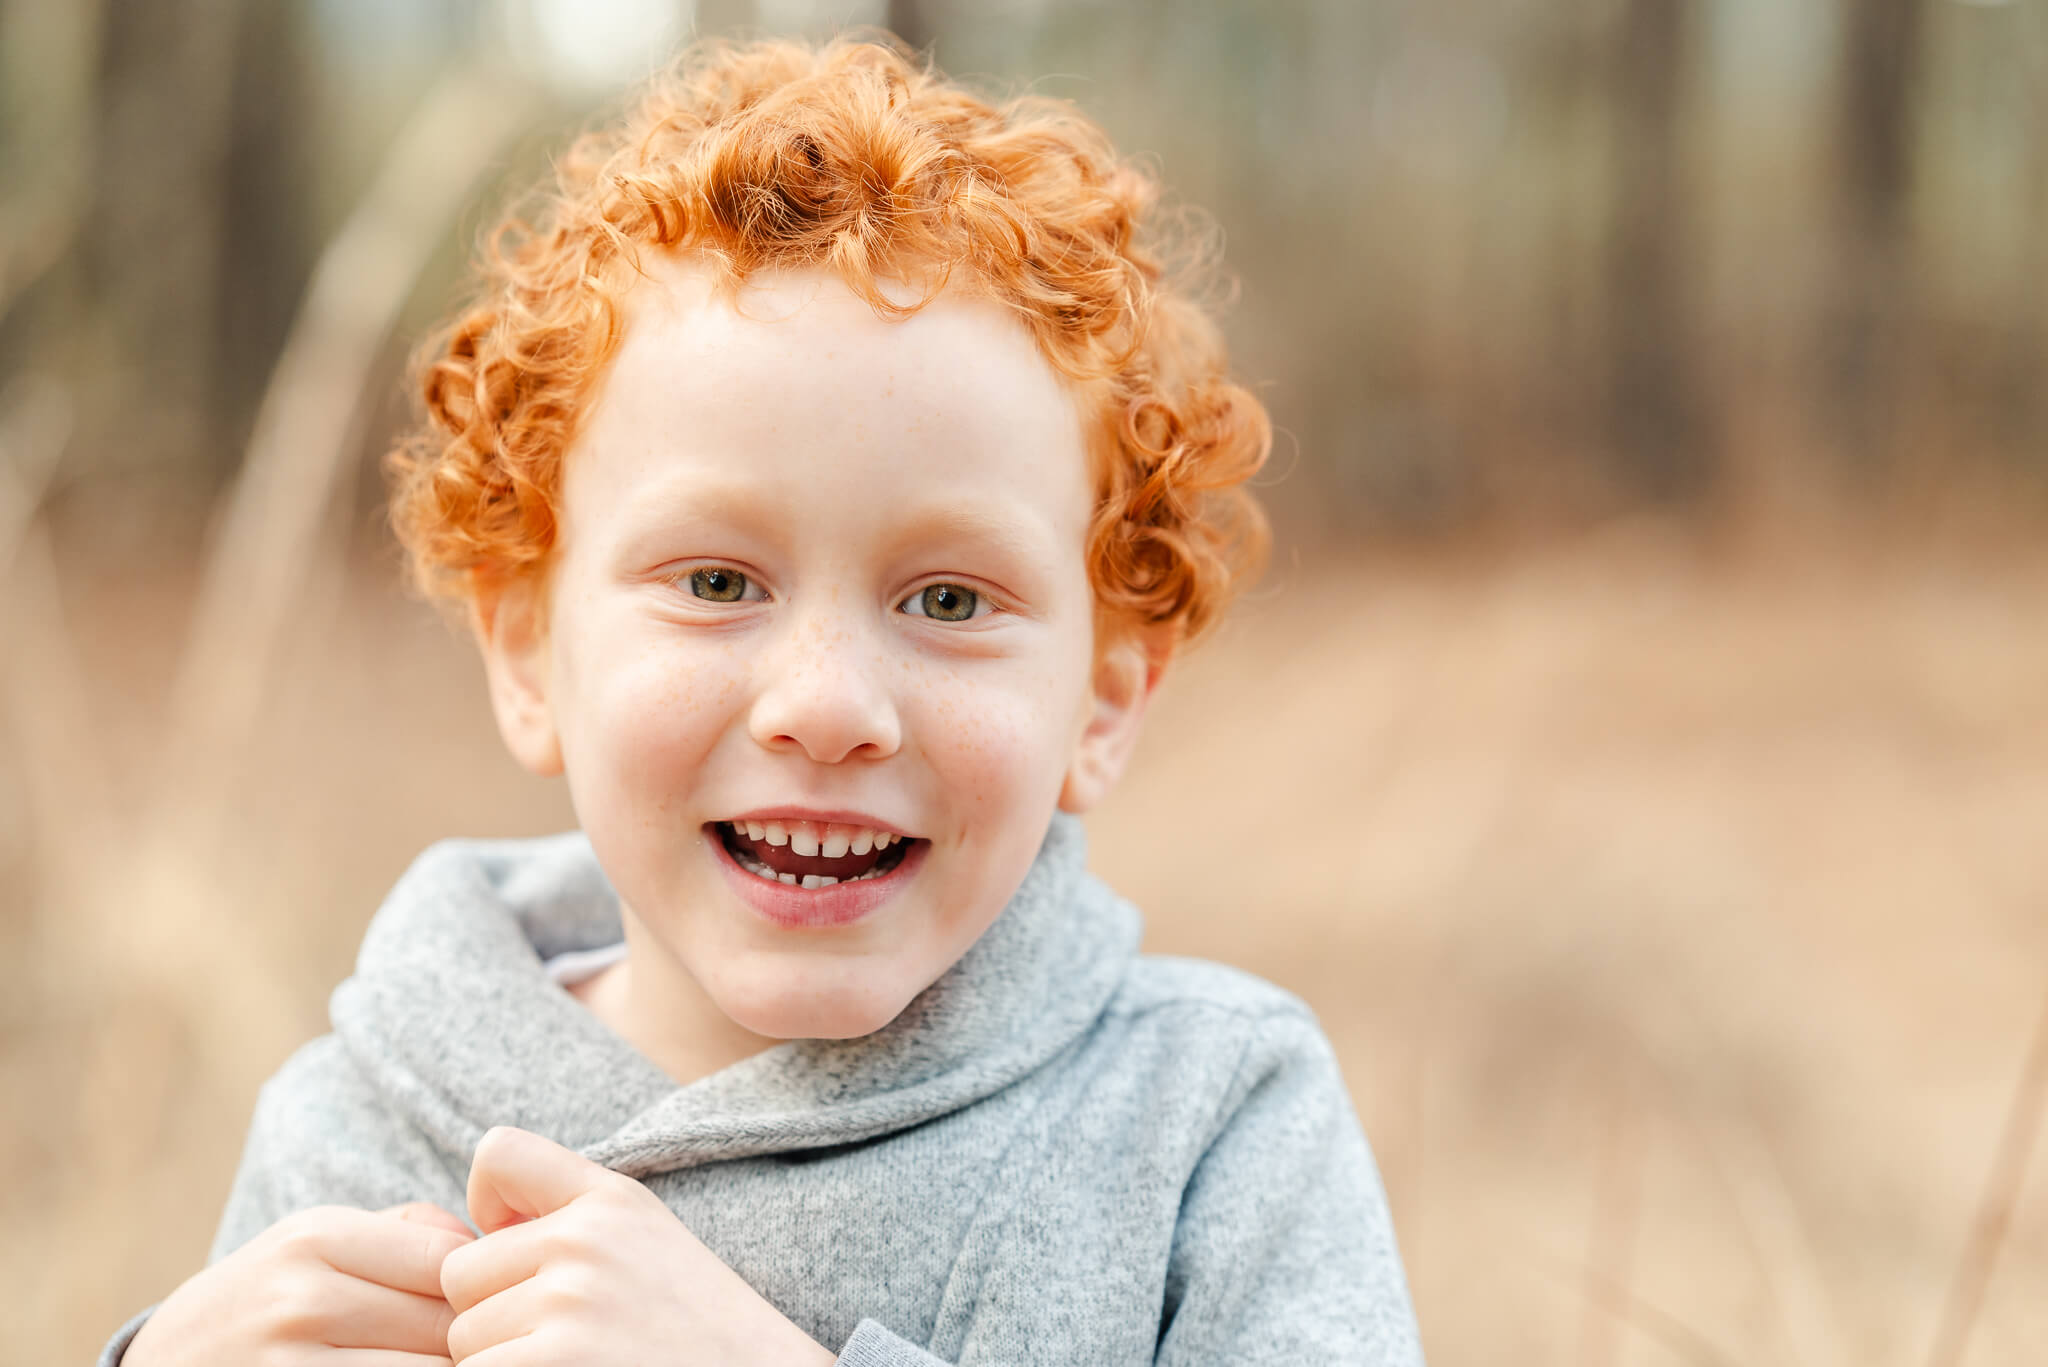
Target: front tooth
803,839
756,831
788,878
814,881
835,843
774,833
862,843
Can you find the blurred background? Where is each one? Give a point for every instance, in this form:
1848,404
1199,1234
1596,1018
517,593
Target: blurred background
1637,753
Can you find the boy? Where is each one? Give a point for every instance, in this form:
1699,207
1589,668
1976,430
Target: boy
827,477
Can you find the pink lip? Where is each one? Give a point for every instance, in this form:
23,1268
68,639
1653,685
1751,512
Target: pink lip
837,817
798,908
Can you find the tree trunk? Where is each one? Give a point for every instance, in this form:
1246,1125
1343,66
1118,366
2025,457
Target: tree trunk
1656,416
911,21
1872,296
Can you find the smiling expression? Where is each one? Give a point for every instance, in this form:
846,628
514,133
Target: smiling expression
818,654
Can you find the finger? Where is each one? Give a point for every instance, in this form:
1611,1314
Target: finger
404,1255
531,1350
502,1259
380,1357
357,1314
427,1213
507,1317
517,1175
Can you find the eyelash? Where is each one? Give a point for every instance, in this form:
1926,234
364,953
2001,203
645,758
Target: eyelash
687,581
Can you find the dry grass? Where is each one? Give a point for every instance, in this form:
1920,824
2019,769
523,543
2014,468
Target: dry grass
1678,918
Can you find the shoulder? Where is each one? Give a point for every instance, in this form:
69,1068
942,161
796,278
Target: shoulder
321,1115
1214,999
1234,1029
321,1134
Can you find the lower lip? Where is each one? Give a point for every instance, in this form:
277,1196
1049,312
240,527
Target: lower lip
799,908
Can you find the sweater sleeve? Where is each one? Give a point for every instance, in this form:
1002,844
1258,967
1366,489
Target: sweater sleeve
1284,1251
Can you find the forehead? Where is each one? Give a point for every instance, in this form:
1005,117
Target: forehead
793,387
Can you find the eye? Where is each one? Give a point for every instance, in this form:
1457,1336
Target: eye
721,584
944,603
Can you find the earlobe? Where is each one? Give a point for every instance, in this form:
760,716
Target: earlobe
510,628
1125,675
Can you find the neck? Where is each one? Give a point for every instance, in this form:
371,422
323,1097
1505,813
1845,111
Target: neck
650,1001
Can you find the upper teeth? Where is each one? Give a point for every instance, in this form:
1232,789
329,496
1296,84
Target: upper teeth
830,839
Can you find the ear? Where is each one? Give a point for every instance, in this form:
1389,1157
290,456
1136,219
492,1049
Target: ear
1127,670
510,623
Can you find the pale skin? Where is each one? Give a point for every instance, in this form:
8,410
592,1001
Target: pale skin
940,450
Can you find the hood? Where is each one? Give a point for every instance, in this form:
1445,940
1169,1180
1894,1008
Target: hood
452,1018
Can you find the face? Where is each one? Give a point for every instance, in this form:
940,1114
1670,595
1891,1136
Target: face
818,653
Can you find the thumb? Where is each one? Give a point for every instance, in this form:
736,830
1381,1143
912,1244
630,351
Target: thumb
517,1175
427,1213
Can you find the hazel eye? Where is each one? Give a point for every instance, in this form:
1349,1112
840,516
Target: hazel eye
718,584
943,603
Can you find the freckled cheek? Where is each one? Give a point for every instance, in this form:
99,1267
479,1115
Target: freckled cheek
652,714
991,747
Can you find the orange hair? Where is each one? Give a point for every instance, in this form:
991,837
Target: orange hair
853,157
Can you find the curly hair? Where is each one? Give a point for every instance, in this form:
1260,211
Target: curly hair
855,157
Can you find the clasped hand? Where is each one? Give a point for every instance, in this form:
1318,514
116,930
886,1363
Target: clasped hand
581,1264
576,1264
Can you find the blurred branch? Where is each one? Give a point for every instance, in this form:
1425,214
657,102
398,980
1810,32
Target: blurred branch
37,239
1994,1211
1617,1218
63,769
1737,1152
38,225
310,422
1684,1342
35,423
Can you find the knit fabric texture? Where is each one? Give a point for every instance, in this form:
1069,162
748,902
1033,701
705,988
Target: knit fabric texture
1061,1152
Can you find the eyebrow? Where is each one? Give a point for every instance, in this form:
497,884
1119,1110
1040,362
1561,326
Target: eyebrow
680,503
941,522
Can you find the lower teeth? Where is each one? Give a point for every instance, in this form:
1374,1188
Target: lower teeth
810,881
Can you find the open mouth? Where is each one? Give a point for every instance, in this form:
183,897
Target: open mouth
812,854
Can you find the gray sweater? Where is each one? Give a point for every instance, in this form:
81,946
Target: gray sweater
1061,1152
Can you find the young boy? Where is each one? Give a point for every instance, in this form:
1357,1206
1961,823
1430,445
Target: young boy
827,476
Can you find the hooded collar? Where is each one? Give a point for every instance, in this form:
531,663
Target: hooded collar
452,1017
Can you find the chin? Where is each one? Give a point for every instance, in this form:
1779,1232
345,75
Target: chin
807,1012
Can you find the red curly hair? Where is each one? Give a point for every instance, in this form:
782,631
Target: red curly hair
854,157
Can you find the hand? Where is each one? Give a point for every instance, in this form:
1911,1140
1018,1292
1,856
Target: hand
322,1279
581,1264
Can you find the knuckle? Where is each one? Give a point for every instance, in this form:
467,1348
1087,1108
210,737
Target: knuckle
571,1290
566,1241
303,1233
298,1308
617,1192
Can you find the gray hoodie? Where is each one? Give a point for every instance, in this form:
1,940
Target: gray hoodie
1061,1152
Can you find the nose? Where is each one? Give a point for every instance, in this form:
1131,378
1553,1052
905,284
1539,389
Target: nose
823,691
